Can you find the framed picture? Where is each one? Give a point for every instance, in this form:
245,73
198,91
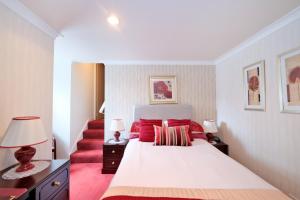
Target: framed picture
163,89
290,82
254,86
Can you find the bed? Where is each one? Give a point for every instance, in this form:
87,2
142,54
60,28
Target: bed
199,171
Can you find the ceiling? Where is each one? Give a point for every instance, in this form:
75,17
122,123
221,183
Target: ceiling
158,30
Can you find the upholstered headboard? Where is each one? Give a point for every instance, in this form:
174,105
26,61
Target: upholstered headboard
170,111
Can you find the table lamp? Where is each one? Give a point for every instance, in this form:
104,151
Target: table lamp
117,125
210,127
102,108
24,132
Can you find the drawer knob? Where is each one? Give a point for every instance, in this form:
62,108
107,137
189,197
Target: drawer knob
56,184
113,162
113,151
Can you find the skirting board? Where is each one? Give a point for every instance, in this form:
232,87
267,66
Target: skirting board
79,137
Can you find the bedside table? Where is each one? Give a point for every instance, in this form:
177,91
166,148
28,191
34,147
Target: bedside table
112,156
222,147
51,183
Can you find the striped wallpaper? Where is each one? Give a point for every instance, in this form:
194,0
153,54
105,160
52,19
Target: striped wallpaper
26,77
127,85
267,142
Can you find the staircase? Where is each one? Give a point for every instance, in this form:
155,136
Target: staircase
89,149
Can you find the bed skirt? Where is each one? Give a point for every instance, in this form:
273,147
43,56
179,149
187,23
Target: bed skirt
146,193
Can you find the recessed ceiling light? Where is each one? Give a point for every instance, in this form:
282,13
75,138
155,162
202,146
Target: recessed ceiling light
113,20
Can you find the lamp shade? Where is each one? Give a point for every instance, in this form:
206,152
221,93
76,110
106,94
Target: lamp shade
24,131
210,126
117,125
102,108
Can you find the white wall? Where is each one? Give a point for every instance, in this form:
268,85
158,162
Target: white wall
69,115
26,71
61,100
73,90
128,85
266,142
82,99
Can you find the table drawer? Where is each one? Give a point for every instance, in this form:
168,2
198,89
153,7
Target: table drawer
111,163
63,194
223,148
113,151
53,185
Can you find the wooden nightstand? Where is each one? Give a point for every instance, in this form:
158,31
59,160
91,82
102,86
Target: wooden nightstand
51,183
112,156
222,147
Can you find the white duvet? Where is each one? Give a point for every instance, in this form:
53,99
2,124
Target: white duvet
199,166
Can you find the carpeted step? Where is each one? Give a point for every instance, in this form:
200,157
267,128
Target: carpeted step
90,144
86,156
96,124
93,134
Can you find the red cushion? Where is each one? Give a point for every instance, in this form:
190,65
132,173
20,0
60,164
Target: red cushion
133,136
147,129
196,127
135,127
199,135
172,136
181,122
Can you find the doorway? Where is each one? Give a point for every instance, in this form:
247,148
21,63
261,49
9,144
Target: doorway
99,89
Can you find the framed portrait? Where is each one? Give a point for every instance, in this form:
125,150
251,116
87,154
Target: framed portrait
254,86
290,82
163,89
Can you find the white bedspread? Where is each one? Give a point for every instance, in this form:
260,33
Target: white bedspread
199,166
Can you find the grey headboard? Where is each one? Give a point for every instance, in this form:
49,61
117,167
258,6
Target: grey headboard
170,111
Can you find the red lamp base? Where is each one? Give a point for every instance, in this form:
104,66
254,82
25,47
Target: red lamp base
24,156
117,136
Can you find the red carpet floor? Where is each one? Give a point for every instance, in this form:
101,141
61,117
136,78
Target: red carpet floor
87,182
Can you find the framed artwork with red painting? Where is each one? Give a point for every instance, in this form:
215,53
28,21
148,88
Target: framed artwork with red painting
163,89
254,86
290,81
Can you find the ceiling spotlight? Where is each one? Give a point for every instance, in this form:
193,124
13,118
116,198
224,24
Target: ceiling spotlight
113,20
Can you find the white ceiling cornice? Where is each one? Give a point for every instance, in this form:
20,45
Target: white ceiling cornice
157,62
20,9
278,24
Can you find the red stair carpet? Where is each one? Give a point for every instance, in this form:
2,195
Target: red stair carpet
89,149
86,180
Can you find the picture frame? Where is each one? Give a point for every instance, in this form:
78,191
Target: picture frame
163,89
254,86
289,67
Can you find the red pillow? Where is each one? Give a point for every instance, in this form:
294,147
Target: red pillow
147,129
135,127
181,122
172,136
133,136
196,127
200,136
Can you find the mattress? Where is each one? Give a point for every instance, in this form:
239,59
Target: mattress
198,166
196,169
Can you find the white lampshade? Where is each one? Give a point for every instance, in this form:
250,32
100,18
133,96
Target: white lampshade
210,126
24,131
117,125
102,108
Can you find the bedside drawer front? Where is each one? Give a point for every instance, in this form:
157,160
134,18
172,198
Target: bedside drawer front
63,194
113,151
223,148
54,185
111,163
